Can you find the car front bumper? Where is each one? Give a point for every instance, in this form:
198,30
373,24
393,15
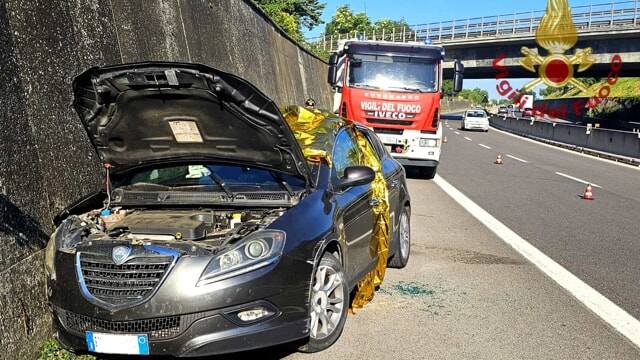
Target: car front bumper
212,333
182,319
476,126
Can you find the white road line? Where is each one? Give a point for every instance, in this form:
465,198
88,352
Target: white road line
515,158
485,146
468,138
611,313
457,133
578,180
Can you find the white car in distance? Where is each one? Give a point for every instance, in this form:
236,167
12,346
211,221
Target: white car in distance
475,119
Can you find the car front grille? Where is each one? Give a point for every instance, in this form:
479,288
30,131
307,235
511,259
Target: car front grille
157,328
126,284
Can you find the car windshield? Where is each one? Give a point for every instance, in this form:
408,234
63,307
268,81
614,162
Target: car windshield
194,177
478,114
398,73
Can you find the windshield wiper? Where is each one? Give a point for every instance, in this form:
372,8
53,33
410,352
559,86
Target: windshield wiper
283,182
406,88
222,184
364,86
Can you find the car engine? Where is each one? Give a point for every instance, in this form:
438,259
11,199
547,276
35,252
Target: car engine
207,229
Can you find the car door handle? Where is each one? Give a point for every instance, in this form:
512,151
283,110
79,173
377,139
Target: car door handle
394,183
374,202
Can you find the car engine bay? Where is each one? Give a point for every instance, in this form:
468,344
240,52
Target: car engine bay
207,229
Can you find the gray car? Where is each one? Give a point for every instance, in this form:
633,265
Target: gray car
225,223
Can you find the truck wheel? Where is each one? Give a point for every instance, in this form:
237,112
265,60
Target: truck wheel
428,172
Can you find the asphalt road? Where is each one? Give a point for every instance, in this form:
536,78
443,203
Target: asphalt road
541,200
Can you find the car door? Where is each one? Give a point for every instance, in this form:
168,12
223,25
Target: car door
393,172
356,212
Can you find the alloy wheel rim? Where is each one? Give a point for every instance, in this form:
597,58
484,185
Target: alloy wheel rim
327,302
405,236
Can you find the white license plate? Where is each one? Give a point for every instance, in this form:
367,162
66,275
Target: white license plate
387,140
129,344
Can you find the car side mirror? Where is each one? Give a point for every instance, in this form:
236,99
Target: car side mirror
355,176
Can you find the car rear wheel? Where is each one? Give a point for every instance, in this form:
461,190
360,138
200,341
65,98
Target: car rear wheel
403,241
329,302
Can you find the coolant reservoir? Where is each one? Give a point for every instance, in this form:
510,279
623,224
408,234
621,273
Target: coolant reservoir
109,219
235,220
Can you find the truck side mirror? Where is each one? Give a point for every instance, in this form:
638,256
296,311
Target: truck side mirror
458,70
332,73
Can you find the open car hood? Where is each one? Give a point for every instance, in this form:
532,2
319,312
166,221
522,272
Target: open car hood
162,111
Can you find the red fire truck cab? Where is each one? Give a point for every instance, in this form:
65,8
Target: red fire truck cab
395,89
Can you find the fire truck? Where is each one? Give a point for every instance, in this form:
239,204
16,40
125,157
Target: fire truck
395,89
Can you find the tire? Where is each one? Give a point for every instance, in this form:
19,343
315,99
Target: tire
328,305
403,240
428,172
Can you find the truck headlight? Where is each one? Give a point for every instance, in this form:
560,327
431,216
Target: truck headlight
257,250
428,142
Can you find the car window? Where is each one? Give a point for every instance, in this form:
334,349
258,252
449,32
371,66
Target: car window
188,175
345,153
379,149
478,114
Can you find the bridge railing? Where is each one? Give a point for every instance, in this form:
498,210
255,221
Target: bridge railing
615,15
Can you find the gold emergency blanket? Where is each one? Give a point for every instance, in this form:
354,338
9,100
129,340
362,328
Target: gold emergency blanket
315,131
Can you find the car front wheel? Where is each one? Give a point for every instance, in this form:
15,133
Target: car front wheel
329,302
403,241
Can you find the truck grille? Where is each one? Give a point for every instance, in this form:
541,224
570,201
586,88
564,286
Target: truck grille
389,122
125,284
388,131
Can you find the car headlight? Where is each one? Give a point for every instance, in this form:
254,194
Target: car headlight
257,250
428,142
49,257
64,238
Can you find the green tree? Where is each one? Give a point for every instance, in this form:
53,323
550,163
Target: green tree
345,21
477,95
293,15
447,88
390,27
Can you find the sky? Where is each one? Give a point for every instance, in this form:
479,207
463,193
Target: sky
417,12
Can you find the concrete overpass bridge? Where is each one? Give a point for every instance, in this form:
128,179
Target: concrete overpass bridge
609,29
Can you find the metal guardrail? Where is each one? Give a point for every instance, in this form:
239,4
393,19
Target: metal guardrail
588,18
622,146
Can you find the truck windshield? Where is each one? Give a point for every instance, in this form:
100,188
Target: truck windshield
396,73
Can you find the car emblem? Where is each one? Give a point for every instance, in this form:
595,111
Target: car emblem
120,254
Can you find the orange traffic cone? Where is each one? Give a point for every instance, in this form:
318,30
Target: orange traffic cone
498,160
445,140
588,195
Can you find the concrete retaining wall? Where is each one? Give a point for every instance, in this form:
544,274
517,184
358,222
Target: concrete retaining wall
450,105
611,143
46,160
